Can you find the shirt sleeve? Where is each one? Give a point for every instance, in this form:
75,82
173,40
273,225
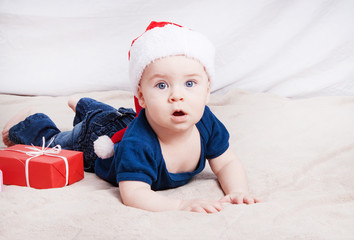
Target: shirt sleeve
217,139
136,162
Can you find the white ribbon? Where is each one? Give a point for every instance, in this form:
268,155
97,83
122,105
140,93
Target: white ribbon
53,152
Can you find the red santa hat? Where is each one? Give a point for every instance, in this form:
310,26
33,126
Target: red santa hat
161,39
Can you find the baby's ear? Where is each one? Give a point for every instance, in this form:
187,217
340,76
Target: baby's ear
141,97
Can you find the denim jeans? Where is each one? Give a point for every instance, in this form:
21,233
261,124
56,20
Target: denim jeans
92,119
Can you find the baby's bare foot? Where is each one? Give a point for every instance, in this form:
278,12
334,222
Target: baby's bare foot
72,102
12,122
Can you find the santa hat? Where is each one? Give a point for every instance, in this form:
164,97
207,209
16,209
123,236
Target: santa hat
161,39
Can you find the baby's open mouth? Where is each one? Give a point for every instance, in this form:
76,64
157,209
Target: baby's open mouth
178,113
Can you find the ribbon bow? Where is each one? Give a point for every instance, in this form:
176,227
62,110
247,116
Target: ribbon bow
44,151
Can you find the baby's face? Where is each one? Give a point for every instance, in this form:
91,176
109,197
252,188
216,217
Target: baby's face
174,92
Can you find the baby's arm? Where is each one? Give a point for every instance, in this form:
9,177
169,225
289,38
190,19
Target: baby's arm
232,178
139,195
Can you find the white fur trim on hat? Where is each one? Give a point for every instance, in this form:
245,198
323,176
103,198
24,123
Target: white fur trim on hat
104,147
169,40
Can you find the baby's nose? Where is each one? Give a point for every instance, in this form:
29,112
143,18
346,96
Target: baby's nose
176,95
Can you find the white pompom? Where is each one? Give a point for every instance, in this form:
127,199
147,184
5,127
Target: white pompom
104,147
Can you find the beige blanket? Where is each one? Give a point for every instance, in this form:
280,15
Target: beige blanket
299,156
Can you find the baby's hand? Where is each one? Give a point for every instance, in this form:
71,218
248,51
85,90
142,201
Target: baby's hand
239,198
199,205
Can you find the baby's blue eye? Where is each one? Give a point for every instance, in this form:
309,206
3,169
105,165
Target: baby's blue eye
190,84
162,85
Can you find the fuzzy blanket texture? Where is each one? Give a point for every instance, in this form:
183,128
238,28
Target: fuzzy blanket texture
298,154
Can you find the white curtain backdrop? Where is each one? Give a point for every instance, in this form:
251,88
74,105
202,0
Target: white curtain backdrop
290,48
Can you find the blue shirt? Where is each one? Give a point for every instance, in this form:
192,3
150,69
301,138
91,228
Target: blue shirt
138,156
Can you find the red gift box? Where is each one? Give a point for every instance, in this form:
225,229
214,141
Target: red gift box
40,168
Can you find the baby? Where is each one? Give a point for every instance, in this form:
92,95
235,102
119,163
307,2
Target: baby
171,69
